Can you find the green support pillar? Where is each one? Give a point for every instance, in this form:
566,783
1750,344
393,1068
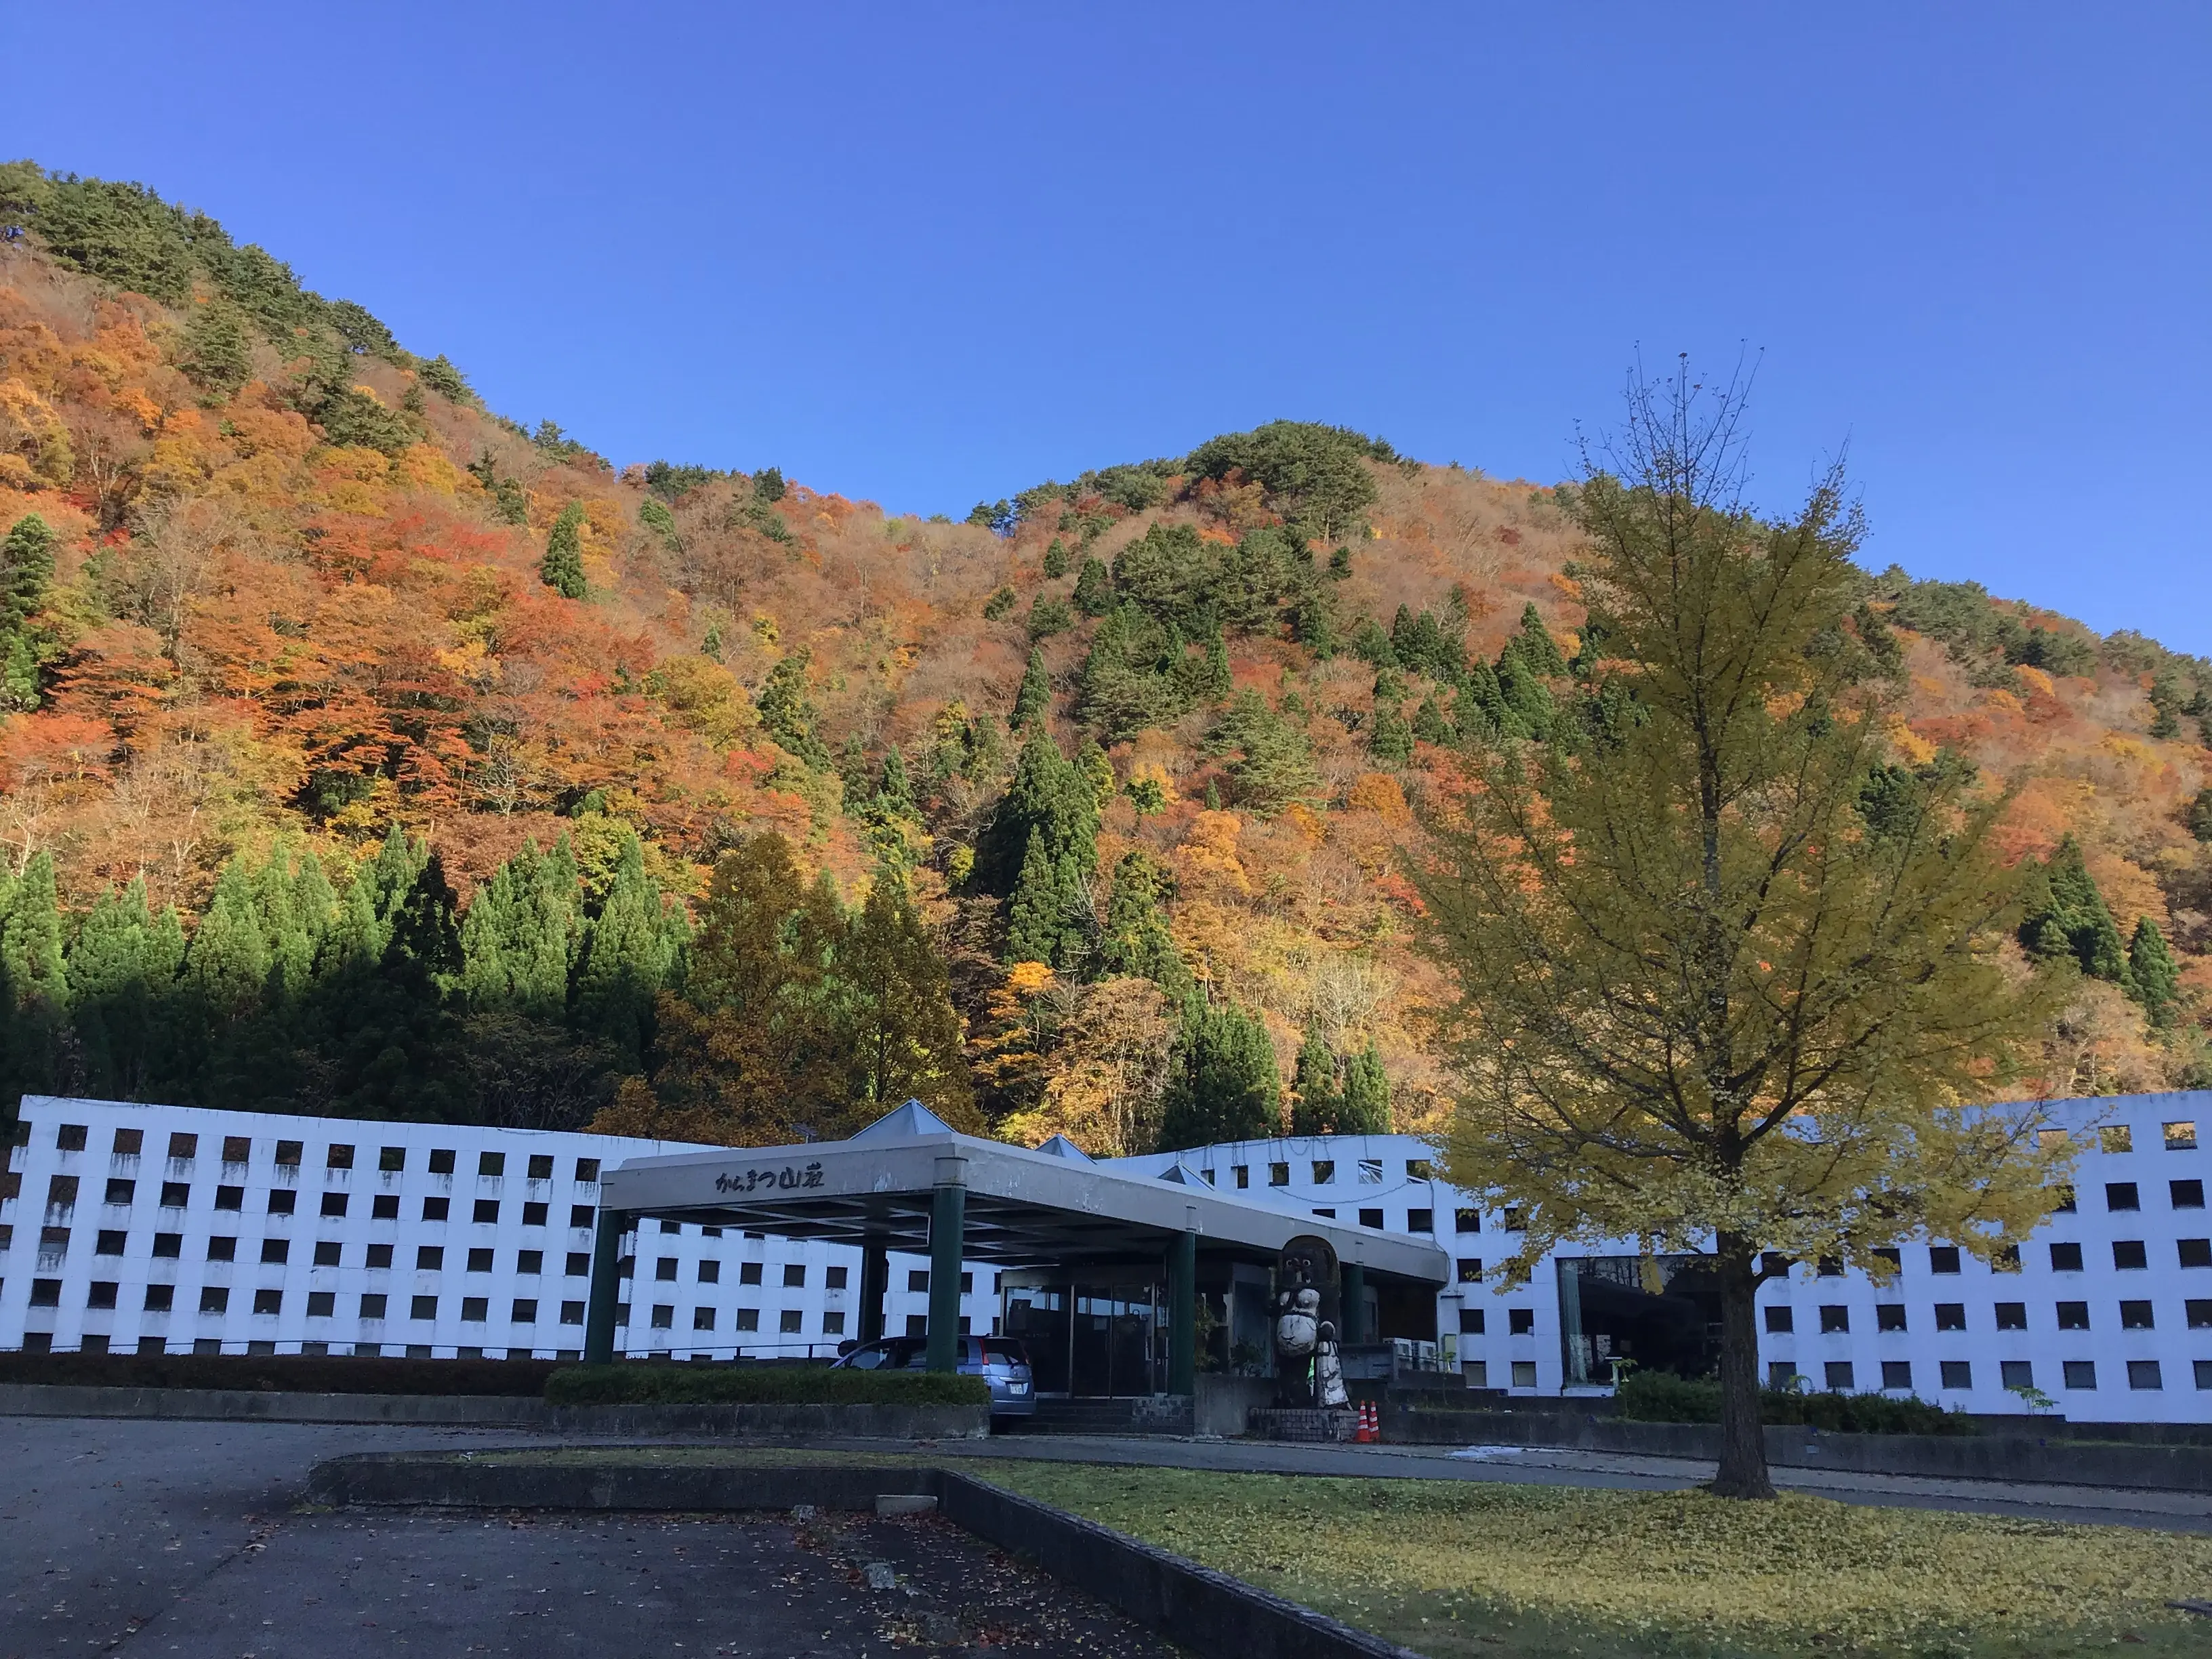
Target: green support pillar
875,1280
1183,1314
606,1286
948,1211
1355,1304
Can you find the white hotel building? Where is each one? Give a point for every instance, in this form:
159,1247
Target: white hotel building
129,1228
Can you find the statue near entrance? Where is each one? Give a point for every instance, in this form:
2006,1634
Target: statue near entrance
1308,1372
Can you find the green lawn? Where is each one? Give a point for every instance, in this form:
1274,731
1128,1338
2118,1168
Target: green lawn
1477,1568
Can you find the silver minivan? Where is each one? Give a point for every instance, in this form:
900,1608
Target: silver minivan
1000,1361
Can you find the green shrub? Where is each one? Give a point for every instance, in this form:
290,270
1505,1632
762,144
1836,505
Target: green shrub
281,1373
1662,1397
650,1383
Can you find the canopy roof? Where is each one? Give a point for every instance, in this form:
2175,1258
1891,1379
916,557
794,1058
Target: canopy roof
1049,1207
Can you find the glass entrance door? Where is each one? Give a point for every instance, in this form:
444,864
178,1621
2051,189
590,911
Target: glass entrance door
1113,1351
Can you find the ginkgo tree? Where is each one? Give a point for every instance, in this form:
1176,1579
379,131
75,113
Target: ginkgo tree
1704,1003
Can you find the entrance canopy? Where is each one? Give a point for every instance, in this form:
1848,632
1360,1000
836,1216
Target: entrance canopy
1051,1207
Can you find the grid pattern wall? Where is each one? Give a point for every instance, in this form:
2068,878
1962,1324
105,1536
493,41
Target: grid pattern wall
175,1229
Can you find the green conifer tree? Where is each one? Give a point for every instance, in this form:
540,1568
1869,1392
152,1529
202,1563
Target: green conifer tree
122,972
1318,1104
1226,1085
34,989
1389,739
1094,589
1538,647
229,960
1047,912
2066,916
787,714
905,1040
1136,942
894,787
1049,799
561,569
1429,723
1366,1106
27,570
1055,560
1033,700
630,957
2154,975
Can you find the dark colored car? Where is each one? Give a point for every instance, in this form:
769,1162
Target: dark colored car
1000,1361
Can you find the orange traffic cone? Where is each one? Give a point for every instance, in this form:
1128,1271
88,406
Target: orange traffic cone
1370,1426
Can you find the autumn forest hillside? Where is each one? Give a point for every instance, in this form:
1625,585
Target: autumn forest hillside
366,751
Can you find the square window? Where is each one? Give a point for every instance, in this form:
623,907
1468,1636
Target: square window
2005,1259
283,1200
2066,1204
572,1313
110,1242
2073,1316
967,1283
2143,1374
338,1157
2128,1255
1890,1316
2117,1137
1470,1270
2137,1316
334,1203
794,1274
2066,1258
578,1265
1513,1221
2122,1195
664,1316
1278,1174
2185,1195
46,1293
214,1299
1370,1172
915,1282
833,1324
579,1215
665,1268
491,1163
1470,1322
1467,1221
1837,1373
534,1214
100,1293
1324,1172
1772,1264
69,1138
2180,1137
479,1261
436,1209
748,1319
379,1256
1781,1374
276,1250
1897,1374
322,1304
524,1312
383,1206
2194,1252
487,1213
475,1309
1781,1317
1371,1218
160,1298
1957,1373
2015,1374
222,1248
1834,1317
1942,1258
2012,1316
129,1143
422,1307
702,1319
530,1261
1420,1221
269,1302
1890,1258
541,1166
392,1159
1521,1322
371,1305
788,1323
287,1153
1325,1215
168,1245
1830,1267
1243,1172
2199,1313
588,1171
833,1278
749,1272
441,1160
1525,1373
1950,1316
121,1192
236,1149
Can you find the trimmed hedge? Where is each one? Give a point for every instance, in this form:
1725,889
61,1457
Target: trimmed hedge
281,1373
644,1383
1662,1397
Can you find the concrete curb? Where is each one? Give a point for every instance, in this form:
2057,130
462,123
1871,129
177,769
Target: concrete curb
2011,1457
1205,1611
498,1411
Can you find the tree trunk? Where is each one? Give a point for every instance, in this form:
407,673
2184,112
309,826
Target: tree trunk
1742,1471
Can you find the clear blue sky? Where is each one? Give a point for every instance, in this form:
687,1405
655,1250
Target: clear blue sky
926,254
